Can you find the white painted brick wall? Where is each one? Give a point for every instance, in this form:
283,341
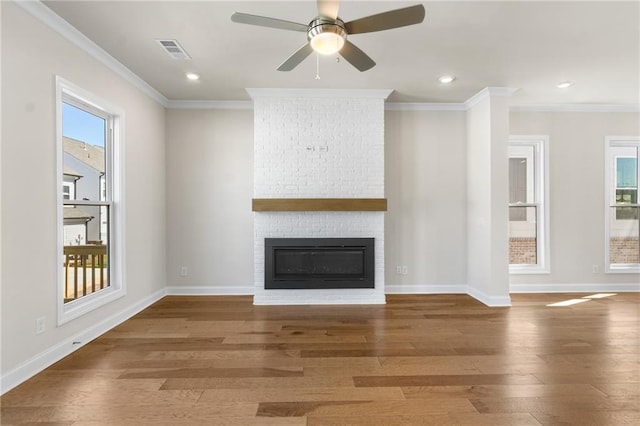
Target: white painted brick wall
319,225
318,148
325,147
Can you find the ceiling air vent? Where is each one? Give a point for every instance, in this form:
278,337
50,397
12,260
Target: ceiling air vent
173,48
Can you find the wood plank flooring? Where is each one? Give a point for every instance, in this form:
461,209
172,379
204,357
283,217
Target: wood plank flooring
419,360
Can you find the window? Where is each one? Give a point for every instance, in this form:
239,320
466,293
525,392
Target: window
528,205
69,190
622,251
626,186
90,209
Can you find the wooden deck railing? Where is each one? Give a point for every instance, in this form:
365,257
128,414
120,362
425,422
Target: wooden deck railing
85,270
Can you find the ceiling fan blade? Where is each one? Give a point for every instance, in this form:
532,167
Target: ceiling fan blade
356,57
297,57
329,8
387,20
263,21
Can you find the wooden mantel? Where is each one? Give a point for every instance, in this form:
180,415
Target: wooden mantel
319,204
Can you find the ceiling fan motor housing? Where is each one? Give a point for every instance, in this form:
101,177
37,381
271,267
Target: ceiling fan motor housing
323,27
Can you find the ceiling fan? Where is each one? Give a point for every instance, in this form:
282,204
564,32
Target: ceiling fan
327,33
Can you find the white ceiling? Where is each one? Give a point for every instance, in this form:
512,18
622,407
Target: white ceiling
524,44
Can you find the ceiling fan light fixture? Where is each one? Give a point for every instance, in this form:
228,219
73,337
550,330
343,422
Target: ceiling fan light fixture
327,43
326,36
327,33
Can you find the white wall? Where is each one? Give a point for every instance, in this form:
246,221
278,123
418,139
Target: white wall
576,161
487,199
209,191
425,182
32,55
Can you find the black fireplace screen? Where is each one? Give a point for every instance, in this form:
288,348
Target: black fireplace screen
317,263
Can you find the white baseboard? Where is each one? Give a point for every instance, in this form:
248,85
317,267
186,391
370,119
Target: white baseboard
426,289
491,301
574,288
210,291
318,297
55,353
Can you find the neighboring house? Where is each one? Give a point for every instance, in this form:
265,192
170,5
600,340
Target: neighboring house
83,179
75,219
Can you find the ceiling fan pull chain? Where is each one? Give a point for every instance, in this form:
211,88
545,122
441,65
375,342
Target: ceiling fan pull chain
317,66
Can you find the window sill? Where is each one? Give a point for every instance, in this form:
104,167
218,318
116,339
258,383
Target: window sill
528,270
79,307
623,269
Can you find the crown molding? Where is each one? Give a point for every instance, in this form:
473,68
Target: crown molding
634,108
41,12
424,106
488,92
319,93
209,104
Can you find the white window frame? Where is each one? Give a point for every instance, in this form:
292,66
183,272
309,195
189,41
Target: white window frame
609,200
69,92
540,144
72,190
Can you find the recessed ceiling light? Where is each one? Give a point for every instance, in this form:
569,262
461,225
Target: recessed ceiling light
446,79
193,76
564,84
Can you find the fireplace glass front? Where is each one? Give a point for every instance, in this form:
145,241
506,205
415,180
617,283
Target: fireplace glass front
319,263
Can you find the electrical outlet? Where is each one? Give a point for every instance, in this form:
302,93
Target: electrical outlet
40,325
405,270
595,269
184,271
399,270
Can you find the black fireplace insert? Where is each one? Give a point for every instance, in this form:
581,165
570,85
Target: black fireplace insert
319,263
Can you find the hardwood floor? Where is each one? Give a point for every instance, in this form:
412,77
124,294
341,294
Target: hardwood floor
432,359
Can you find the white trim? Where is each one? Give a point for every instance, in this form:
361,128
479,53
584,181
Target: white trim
488,92
426,289
575,288
210,291
210,104
540,144
58,351
491,301
622,268
576,108
319,297
68,31
115,167
631,141
421,106
424,106
528,270
319,93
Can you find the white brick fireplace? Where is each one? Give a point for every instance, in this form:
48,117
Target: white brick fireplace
318,144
